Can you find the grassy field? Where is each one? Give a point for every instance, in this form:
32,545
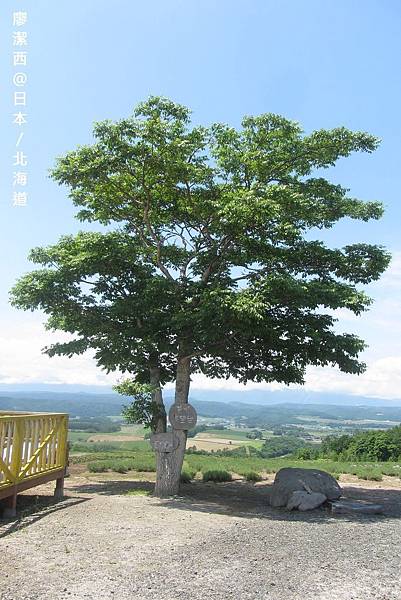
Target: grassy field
138,457
220,439
213,439
78,436
128,433
228,434
126,450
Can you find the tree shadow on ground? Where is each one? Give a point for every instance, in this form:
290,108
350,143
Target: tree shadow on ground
241,499
32,508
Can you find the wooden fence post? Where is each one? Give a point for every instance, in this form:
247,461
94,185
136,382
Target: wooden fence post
64,454
10,510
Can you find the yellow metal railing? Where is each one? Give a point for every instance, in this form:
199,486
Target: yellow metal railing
31,445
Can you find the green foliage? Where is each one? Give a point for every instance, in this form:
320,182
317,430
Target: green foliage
98,467
253,476
280,446
143,409
307,453
144,461
369,473
255,434
217,476
214,232
367,445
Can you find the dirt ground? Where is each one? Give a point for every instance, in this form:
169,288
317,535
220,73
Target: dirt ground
216,541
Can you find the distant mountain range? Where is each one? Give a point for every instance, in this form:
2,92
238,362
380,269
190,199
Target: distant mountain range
252,396
255,408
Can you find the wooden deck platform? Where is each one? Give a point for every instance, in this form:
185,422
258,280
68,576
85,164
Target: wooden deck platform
33,450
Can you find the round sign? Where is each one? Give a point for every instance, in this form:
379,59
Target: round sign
164,442
182,416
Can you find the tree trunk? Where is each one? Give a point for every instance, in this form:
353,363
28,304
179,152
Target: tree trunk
161,424
169,464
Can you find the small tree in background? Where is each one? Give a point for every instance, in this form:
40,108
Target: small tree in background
209,263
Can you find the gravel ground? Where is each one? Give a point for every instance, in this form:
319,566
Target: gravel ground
216,542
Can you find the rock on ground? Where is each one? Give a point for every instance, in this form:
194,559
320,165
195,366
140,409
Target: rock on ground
344,506
306,500
290,480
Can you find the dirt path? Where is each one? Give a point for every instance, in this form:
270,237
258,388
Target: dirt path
216,542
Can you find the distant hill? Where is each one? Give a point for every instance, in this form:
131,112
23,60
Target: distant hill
251,396
77,404
256,414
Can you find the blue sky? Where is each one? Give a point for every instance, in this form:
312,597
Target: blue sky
321,63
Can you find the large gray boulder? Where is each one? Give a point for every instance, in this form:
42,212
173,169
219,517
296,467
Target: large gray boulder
305,500
290,480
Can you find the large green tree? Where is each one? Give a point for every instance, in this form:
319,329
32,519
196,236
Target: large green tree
210,261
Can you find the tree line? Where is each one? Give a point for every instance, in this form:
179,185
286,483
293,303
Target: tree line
365,445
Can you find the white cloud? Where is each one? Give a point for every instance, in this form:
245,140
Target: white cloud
22,361
382,379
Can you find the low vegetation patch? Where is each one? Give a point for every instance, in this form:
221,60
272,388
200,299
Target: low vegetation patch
138,464
217,476
91,447
364,446
370,474
253,476
138,492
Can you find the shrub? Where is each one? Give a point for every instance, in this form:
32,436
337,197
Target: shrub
369,474
120,466
98,467
144,465
217,476
253,476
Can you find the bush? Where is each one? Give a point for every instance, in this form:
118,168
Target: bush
120,467
253,476
217,476
274,447
98,467
369,474
144,465
378,446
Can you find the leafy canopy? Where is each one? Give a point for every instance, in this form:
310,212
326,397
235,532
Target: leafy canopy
209,248
143,409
